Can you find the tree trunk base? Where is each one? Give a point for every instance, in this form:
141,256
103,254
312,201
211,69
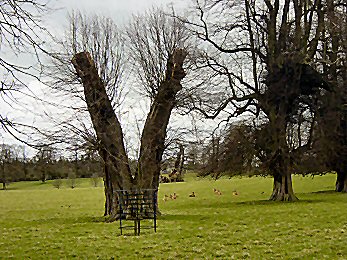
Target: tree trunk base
113,218
283,189
341,187
341,182
280,196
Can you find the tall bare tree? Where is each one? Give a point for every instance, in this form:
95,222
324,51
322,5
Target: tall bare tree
156,50
44,160
264,51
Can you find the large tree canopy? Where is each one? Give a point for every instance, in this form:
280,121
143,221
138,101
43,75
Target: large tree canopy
268,53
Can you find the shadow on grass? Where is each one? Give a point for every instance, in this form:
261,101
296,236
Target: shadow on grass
325,192
68,220
270,202
236,204
187,217
9,189
30,185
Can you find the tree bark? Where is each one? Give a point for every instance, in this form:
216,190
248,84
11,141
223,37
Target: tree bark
280,160
279,164
179,162
154,132
107,128
178,157
44,171
283,189
277,157
108,188
341,182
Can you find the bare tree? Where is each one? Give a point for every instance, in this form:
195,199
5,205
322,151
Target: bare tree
44,160
236,153
157,56
331,132
179,163
265,52
21,31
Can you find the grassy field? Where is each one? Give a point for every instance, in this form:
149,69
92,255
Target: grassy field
38,221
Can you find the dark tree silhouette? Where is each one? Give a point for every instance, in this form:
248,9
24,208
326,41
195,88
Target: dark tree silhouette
266,55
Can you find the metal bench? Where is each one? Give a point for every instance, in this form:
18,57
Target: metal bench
137,205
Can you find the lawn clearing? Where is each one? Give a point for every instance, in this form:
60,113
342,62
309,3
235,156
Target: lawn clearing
40,222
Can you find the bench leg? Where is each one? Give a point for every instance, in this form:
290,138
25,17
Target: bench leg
138,227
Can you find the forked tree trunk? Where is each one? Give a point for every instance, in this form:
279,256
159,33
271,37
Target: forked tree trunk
109,132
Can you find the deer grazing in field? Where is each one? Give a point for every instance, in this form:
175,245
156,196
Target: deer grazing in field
217,192
166,197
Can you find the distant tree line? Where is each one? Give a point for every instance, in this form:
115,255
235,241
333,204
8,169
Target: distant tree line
45,165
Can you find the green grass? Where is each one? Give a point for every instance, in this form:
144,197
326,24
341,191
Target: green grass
38,221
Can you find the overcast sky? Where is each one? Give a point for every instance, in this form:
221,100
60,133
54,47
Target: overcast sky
119,10
28,110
